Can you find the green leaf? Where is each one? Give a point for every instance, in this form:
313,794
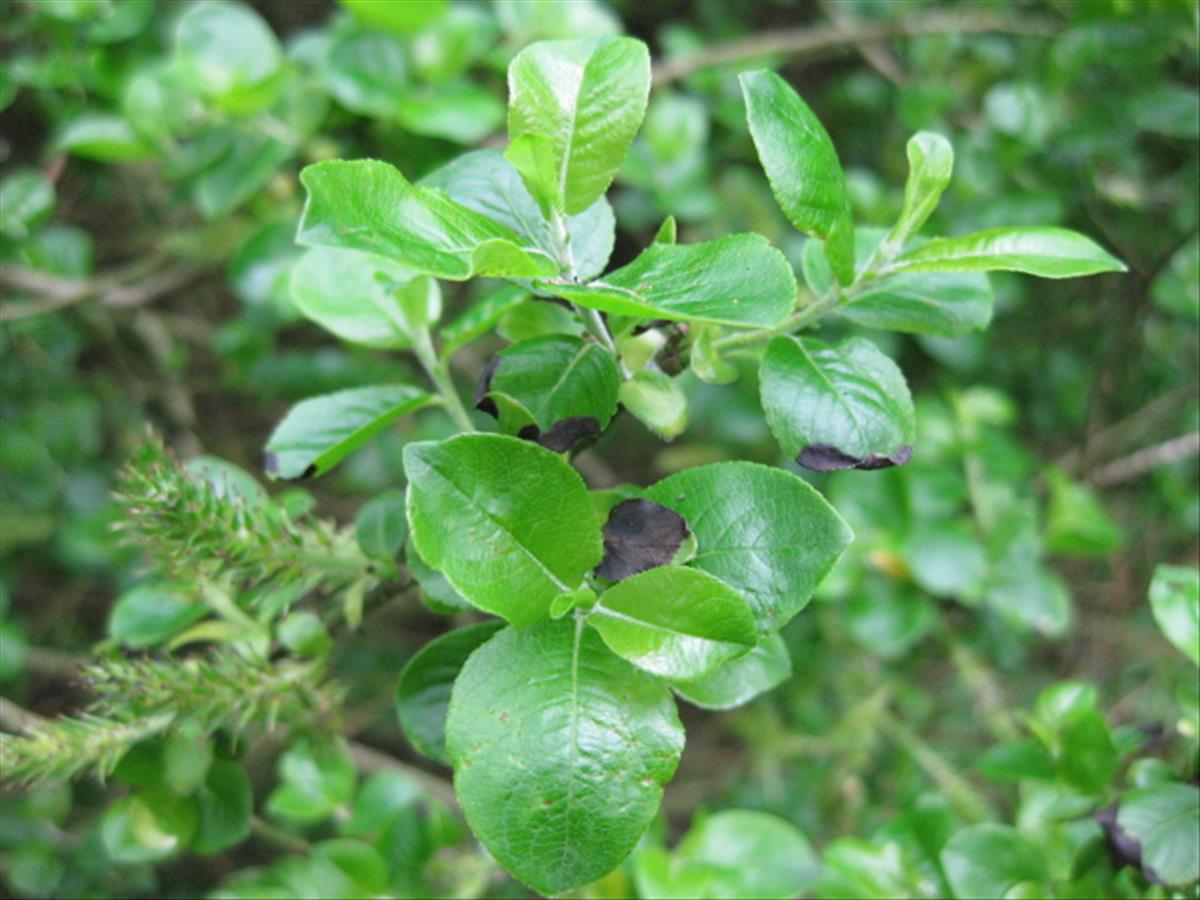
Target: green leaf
241,171
560,751
147,827
382,524
101,137
1045,252
740,680
559,377
228,53
1087,758
656,401
363,298
1017,760
369,206
582,101
486,182
315,781
423,691
740,280
318,433
849,399
366,72
946,304
930,165
674,622
151,614
480,318
26,198
187,755
801,165
1165,820
460,111
855,869
763,531
509,523
224,804
304,634
402,18
1076,521
986,861
751,855
1175,601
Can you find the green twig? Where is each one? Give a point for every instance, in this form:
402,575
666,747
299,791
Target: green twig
439,374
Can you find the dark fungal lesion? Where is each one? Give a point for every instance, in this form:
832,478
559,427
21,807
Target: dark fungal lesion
562,436
828,458
640,535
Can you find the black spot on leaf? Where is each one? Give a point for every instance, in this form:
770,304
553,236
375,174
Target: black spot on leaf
483,402
639,535
564,434
1123,848
827,458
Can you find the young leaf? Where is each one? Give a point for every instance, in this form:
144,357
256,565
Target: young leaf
801,165
150,614
560,751
945,304
368,205
486,182
740,280
509,523
656,401
364,298
1165,820
573,109
751,855
740,680
839,407
986,861
382,524
1175,601
639,535
556,378
318,433
224,805
423,691
227,52
1045,252
674,622
930,164
763,531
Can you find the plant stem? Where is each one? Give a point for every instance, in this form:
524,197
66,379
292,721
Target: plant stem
439,374
970,803
796,321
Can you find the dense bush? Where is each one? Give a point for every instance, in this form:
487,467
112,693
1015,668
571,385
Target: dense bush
834,374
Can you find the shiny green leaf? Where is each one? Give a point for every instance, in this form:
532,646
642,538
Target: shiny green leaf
369,206
560,752
423,691
582,101
1165,820
320,432
509,523
740,680
674,622
848,396
1045,252
801,165
740,280
985,861
763,531
363,298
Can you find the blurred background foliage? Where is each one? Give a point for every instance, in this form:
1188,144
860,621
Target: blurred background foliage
148,198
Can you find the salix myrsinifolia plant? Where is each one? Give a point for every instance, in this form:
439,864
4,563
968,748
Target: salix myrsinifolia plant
560,721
